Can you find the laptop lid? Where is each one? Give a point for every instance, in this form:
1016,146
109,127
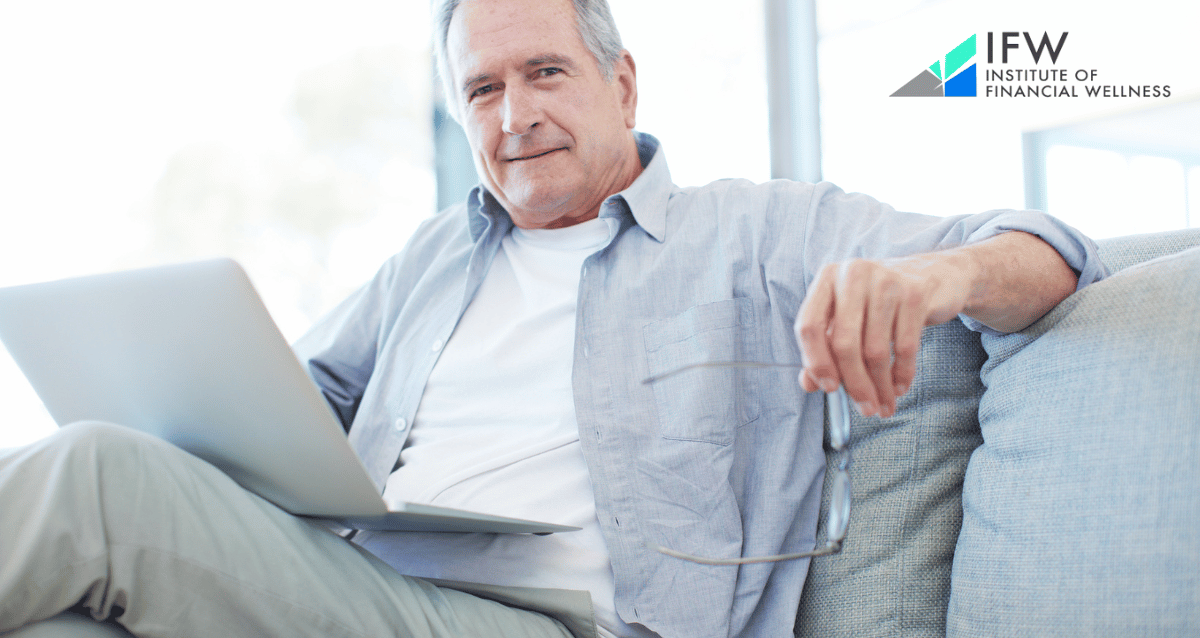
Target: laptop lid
190,354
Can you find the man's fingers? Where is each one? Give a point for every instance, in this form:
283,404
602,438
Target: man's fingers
812,327
878,335
846,333
809,382
860,327
910,320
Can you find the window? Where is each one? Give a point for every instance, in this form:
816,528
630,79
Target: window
297,138
1132,172
293,137
702,84
965,155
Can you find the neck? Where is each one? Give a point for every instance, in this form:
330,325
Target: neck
625,171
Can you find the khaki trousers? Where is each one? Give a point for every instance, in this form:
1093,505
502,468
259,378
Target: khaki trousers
137,529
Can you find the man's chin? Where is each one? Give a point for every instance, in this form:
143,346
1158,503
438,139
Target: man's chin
547,213
542,199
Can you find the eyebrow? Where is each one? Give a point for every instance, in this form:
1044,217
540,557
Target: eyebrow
472,81
549,58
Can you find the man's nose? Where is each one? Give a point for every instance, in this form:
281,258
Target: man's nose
521,112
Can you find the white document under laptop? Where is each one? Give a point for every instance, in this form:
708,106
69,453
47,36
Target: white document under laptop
189,354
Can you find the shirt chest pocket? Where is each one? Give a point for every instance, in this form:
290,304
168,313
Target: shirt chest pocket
704,404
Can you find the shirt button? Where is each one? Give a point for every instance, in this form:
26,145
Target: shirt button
437,345
400,423
585,271
586,352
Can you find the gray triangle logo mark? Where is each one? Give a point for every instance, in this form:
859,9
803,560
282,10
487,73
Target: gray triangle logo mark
926,84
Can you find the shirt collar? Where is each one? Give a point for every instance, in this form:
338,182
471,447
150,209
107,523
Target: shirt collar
647,196
645,199
482,208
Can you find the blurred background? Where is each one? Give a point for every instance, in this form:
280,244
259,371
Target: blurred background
307,139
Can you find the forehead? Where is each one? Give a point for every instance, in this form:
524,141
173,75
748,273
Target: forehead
489,33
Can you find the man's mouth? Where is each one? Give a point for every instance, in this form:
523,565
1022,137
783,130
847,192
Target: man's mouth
535,155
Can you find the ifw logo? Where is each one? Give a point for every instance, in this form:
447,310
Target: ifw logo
947,77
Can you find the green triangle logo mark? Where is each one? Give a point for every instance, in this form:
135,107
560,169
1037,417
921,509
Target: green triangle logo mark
939,79
960,55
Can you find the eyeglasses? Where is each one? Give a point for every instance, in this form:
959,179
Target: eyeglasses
837,523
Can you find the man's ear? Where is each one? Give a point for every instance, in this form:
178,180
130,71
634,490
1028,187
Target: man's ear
625,75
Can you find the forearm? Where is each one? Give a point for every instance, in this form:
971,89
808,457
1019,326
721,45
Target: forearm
1017,278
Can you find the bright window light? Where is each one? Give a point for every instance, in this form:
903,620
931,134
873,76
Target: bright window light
1105,194
294,137
702,84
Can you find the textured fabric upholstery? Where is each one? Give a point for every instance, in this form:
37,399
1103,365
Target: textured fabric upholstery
1082,508
1120,253
893,575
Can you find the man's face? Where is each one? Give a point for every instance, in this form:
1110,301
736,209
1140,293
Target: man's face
550,137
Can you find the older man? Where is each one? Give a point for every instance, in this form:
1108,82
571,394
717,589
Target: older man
496,364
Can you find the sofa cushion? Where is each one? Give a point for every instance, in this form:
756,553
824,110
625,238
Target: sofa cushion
1082,507
893,576
1119,253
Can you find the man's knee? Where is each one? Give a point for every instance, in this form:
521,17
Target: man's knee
99,451
103,437
91,433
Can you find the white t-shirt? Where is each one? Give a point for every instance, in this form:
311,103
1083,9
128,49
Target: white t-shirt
496,431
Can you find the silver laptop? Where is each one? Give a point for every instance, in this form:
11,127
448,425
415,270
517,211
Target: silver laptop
189,354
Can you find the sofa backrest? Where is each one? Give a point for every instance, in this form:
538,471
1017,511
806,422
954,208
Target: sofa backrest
893,577
1081,509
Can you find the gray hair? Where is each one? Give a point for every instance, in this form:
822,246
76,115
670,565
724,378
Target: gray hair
593,19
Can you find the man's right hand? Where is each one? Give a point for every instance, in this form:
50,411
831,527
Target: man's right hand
860,323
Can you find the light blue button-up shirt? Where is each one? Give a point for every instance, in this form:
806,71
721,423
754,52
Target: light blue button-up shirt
716,462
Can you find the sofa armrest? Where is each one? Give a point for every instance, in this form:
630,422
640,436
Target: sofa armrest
1082,507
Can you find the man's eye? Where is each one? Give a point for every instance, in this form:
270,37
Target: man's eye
548,71
483,90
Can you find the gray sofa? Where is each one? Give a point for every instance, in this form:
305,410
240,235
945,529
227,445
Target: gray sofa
1044,483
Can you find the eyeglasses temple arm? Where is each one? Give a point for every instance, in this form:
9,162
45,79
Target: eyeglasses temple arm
831,547
719,364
